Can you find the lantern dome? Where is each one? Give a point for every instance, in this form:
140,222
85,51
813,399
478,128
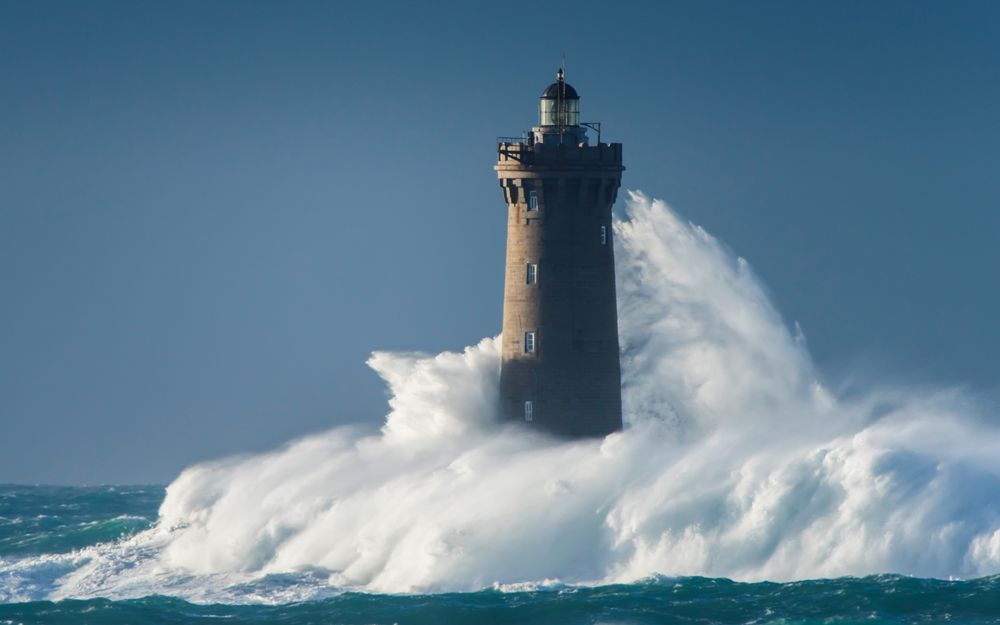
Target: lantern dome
560,104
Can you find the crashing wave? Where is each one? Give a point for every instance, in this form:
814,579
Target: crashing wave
736,462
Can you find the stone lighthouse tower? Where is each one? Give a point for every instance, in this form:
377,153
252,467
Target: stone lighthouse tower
560,370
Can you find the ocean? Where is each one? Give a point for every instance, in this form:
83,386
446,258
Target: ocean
44,524
744,489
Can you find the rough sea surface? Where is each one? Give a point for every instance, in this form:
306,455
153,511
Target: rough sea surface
56,523
744,489
38,523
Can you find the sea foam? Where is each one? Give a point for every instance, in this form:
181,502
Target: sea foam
736,462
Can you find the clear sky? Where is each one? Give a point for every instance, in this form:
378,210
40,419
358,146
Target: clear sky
210,213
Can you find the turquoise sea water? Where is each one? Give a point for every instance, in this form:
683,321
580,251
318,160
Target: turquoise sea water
37,523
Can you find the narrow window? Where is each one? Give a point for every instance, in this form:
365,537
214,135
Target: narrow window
532,273
529,342
532,201
529,411
604,235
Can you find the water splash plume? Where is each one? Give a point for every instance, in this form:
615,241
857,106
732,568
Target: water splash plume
736,462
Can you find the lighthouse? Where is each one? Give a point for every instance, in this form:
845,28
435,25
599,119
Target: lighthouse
560,369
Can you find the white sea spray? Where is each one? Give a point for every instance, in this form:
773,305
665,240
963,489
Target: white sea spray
736,462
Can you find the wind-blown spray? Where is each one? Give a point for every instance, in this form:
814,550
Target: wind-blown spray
736,462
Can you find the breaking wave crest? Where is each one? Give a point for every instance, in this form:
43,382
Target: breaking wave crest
736,462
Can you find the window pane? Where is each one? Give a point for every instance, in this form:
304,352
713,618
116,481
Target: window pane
573,112
532,273
529,342
532,201
547,113
604,235
529,411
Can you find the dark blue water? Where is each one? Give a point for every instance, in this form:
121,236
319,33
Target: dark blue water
37,522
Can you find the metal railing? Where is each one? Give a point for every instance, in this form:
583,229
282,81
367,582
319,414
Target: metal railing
523,140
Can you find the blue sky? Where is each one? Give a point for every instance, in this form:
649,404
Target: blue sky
210,213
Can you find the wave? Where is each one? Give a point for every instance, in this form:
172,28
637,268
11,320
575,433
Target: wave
883,599
737,462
